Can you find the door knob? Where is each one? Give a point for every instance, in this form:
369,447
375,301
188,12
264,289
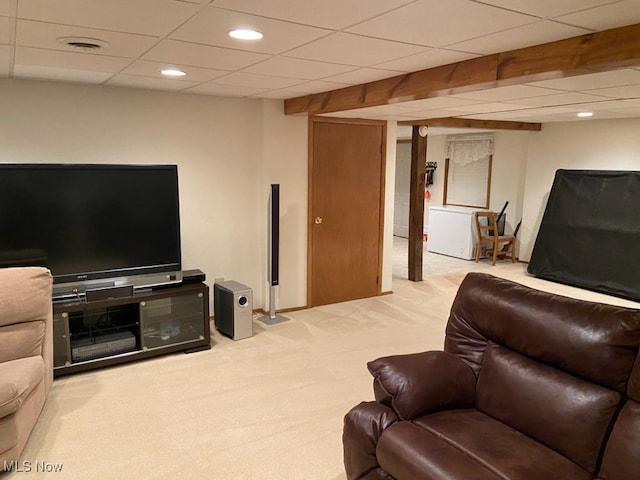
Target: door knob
318,220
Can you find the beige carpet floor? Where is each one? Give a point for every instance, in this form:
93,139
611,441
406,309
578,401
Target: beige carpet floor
266,407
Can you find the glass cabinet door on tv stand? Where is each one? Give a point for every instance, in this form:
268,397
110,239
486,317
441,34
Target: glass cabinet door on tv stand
89,335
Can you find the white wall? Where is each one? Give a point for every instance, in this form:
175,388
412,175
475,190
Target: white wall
402,191
588,144
508,173
225,158
284,161
389,194
436,148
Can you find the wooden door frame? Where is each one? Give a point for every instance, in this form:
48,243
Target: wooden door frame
383,167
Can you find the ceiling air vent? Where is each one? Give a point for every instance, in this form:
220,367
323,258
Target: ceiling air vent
83,43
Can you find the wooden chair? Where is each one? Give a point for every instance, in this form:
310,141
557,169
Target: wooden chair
488,234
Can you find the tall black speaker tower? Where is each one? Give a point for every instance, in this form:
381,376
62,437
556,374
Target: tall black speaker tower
274,234
273,254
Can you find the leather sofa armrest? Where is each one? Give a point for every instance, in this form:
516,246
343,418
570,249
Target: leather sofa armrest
419,383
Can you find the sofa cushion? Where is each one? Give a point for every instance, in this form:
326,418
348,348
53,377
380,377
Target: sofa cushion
21,340
470,445
621,459
408,452
561,411
18,378
591,340
29,297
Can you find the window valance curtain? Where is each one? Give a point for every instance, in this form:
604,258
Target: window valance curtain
464,150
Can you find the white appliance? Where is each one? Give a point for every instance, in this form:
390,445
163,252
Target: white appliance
452,231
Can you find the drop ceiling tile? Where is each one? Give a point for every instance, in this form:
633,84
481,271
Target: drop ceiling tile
60,74
612,115
264,82
282,93
436,113
4,31
513,116
439,103
224,90
564,98
5,8
624,91
276,94
4,60
147,17
68,60
316,86
548,111
592,81
432,57
435,23
512,92
547,8
490,107
153,69
606,105
488,116
212,25
334,14
134,81
524,36
631,110
296,68
363,75
348,49
202,56
617,14
631,101
46,35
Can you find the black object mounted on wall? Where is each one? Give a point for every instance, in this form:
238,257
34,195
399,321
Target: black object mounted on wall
430,171
589,236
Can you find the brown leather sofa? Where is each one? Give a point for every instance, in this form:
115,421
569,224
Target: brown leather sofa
530,386
26,355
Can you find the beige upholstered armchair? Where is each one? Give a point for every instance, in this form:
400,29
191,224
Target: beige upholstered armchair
26,354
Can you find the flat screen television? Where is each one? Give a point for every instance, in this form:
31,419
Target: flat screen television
93,226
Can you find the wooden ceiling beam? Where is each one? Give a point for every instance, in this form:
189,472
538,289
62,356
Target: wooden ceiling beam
600,51
454,122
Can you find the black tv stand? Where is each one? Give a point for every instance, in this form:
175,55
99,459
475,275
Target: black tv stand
88,335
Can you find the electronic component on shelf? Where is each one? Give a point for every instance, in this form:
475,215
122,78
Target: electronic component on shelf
193,276
106,293
102,346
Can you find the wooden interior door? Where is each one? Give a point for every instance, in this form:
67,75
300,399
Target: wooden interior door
347,160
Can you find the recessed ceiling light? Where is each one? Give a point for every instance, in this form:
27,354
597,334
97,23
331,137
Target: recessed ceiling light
172,72
585,114
245,34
